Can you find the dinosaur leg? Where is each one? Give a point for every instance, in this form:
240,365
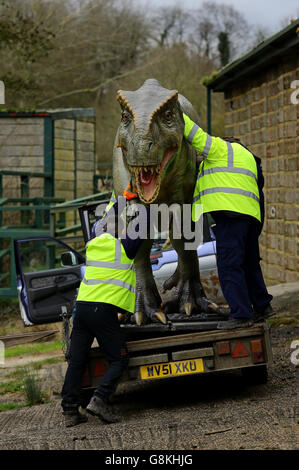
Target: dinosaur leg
190,296
148,300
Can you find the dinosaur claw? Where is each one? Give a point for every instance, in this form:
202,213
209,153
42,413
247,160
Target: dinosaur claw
161,317
213,307
139,317
188,307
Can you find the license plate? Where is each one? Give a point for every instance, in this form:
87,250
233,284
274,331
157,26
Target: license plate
170,369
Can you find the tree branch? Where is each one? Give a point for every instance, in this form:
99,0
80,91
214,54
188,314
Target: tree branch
100,85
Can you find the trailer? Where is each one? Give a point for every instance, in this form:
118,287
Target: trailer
184,346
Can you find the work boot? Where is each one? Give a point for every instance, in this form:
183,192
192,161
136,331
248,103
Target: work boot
262,316
73,417
98,407
235,323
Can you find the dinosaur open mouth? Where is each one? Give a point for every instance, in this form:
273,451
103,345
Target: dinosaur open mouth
148,178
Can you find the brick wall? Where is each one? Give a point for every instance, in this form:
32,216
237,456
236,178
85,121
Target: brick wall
259,111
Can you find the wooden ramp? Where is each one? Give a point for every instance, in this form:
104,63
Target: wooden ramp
12,340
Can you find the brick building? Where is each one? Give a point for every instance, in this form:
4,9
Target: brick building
261,92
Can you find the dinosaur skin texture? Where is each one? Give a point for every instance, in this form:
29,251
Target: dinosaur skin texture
150,151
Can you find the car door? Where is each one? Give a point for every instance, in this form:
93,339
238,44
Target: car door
45,288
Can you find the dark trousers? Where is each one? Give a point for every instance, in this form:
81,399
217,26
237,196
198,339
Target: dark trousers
94,320
238,262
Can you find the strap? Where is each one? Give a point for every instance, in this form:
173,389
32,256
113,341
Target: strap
115,282
241,192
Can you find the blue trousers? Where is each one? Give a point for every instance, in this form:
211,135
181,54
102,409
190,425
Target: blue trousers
238,262
94,320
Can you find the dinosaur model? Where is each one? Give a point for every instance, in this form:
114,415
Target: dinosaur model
151,153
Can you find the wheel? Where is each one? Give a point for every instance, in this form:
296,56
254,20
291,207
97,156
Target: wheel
255,375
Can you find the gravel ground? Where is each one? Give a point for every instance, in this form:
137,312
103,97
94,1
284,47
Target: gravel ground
218,411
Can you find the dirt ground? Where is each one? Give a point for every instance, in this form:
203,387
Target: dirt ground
217,411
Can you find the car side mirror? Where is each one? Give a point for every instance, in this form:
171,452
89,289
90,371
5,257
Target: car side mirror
68,258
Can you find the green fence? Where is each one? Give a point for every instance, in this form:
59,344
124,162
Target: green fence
34,218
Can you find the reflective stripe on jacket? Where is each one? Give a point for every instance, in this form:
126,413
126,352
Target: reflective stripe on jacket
110,275
227,177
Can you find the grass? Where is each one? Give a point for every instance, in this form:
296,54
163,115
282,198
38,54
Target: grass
20,372
33,348
32,389
11,386
277,321
10,406
25,382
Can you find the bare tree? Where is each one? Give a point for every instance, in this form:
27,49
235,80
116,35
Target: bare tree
213,19
169,25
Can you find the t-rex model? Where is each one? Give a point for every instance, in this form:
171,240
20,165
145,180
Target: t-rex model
150,152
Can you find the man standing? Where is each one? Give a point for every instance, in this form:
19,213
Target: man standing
229,186
108,288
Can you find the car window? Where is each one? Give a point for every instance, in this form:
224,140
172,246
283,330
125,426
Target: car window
40,255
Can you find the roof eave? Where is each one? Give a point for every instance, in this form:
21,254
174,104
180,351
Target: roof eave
258,57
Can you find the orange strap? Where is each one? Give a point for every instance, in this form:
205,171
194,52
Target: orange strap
130,194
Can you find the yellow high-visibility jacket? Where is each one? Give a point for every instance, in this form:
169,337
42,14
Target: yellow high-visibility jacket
110,275
227,177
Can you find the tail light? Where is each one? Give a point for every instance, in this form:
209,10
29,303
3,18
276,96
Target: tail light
240,350
257,351
100,369
223,348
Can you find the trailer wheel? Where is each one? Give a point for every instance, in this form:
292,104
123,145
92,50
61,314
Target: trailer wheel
255,375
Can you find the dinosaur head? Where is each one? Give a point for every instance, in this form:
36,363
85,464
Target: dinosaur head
150,134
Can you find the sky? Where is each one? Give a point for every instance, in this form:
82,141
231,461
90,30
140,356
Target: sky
269,13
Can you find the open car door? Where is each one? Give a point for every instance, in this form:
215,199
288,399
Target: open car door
46,289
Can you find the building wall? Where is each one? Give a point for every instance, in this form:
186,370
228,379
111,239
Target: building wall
259,111
22,149
74,160
74,156
85,158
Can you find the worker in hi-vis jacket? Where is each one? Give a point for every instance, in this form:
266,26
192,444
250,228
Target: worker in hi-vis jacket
108,288
229,186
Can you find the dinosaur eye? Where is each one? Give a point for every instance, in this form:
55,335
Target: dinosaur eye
125,117
168,115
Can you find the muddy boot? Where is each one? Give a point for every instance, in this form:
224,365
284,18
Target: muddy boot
98,407
262,316
235,323
73,418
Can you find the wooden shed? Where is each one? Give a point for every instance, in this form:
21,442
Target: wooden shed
59,143
46,157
